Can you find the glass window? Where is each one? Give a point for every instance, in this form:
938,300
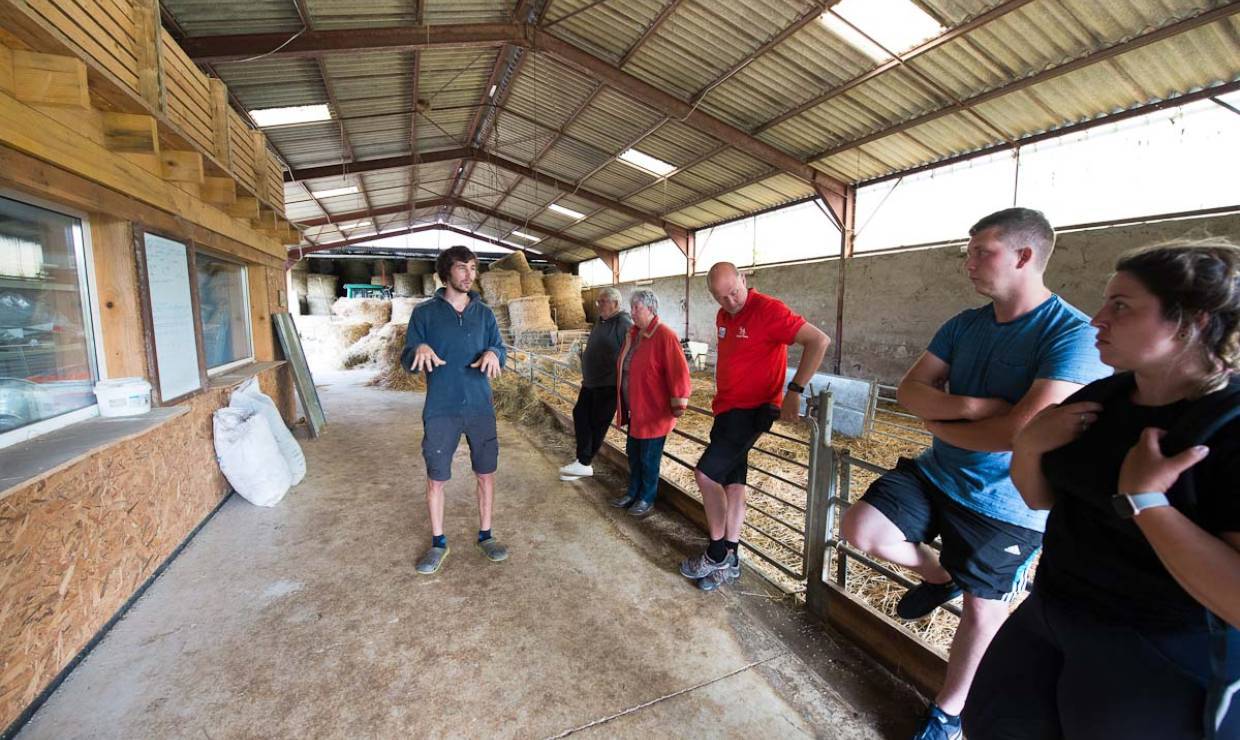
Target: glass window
666,259
731,242
594,272
47,355
634,264
224,310
797,232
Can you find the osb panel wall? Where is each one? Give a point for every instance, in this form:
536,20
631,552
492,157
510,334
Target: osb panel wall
76,545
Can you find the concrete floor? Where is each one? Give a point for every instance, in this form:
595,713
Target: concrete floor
309,620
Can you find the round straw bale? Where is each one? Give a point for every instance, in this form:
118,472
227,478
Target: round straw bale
404,284
381,279
500,286
531,313
515,261
588,296
430,283
565,292
373,310
532,284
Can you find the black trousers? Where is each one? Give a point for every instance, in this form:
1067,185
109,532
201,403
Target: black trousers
591,416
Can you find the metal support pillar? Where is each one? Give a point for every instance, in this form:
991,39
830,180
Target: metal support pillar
686,240
819,509
844,210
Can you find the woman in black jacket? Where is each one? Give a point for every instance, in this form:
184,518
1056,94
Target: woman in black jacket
1131,629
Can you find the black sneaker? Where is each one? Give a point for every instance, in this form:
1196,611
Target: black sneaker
921,599
938,725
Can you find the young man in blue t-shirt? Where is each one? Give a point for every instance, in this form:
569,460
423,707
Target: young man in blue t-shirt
455,340
986,373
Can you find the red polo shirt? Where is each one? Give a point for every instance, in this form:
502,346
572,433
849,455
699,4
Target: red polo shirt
753,353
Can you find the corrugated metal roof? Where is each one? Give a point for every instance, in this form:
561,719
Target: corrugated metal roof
563,122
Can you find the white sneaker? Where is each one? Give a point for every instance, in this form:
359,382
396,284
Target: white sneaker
569,477
577,469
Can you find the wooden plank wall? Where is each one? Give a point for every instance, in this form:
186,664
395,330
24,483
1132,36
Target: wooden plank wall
188,94
104,29
242,148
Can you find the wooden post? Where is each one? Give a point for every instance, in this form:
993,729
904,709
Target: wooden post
148,50
259,141
221,147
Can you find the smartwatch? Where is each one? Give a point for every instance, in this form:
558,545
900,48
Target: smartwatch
792,386
1128,505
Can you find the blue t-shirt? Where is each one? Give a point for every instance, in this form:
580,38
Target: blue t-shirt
459,339
989,359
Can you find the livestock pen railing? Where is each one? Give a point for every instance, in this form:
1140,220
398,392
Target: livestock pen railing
796,530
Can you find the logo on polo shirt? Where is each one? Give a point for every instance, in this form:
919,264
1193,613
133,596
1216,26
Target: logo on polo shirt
723,332
741,333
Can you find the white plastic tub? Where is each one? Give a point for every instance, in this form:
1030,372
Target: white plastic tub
123,396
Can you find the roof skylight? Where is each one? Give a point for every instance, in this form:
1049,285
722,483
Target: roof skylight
563,211
332,192
897,25
528,237
643,161
264,117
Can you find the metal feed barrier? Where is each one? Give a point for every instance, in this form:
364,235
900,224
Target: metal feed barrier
832,404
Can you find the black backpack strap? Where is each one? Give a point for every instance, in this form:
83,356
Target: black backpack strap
1203,419
1103,390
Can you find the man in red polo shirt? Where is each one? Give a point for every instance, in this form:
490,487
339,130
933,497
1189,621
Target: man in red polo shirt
753,331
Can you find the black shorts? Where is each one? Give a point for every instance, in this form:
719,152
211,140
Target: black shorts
987,557
441,435
732,436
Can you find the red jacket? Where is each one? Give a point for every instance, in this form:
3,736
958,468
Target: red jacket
658,381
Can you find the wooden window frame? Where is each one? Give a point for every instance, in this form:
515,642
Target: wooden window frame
148,325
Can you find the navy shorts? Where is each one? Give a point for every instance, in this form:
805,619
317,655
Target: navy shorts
986,557
441,435
732,436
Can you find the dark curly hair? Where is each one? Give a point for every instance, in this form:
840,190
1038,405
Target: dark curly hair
449,257
1198,285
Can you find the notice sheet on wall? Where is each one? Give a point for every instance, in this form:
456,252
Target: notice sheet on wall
172,313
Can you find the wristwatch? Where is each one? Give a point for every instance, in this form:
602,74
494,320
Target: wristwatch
792,386
1128,505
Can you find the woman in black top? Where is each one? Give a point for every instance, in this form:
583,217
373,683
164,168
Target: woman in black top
1131,628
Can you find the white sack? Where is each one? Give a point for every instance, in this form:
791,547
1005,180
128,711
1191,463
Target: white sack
248,397
249,458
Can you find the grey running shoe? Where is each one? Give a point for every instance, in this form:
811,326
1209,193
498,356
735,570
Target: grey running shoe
494,551
700,566
432,560
622,502
722,576
641,509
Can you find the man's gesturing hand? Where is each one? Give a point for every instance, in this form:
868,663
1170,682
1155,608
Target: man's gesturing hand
488,363
425,359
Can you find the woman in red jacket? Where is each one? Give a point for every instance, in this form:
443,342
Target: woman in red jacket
653,391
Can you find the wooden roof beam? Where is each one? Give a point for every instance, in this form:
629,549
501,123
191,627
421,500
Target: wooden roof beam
312,44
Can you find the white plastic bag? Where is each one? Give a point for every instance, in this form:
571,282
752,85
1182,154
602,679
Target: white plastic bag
249,458
249,398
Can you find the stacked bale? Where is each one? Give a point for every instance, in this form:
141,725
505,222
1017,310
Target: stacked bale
404,284
532,284
500,286
565,293
419,267
515,261
301,290
430,283
320,293
402,309
376,311
588,298
381,280
531,321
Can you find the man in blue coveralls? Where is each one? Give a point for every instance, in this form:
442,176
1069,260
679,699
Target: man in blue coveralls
454,339
986,373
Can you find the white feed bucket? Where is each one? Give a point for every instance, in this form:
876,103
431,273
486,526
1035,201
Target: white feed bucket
123,396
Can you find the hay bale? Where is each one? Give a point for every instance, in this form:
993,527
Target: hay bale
365,351
532,284
500,286
319,305
502,317
530,313
430,284
326,340
565,293
381,280
391,374
515,261
372,310
405,285
321,286
588,298
420,267
402,309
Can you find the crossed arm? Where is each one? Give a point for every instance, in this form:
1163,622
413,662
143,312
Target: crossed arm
971,422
